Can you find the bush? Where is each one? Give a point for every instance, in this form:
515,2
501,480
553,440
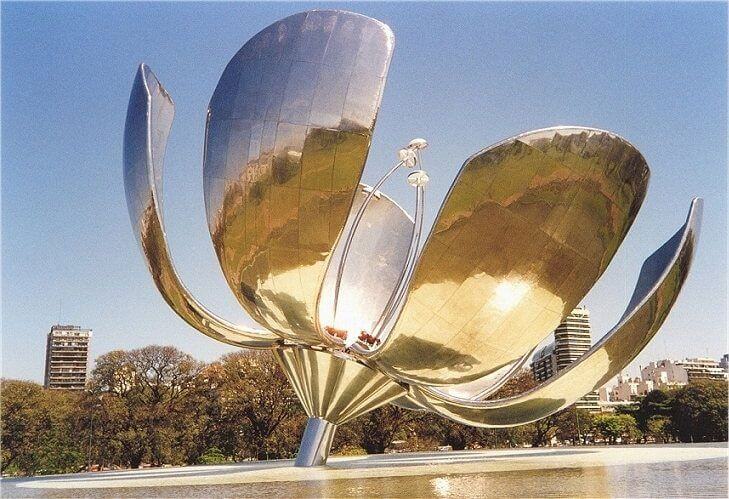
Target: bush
212,456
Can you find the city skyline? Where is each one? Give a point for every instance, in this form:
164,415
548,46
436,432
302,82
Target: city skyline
627,372
67,239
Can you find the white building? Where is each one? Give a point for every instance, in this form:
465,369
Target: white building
629,389
667,374
724,362
703,368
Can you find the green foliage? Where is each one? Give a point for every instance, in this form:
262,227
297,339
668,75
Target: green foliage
139,407
37,430
573,425
699,411
256,410
20,424
660,428
656,404
212,456
157,405
610,427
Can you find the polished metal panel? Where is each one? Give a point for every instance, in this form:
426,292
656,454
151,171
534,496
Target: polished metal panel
316,442
376,257
353,223
333,386
149,119
288,132
481,388
527,228
659,283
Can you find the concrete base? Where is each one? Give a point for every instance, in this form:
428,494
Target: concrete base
316,442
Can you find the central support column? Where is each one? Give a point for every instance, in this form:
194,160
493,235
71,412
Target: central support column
333,388
316,442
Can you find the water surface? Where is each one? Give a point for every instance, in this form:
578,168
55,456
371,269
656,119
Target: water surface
694,478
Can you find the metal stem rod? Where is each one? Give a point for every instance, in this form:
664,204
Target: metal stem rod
353,229
391,300
316,442
398,294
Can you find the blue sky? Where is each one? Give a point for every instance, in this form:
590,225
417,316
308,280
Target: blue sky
463,76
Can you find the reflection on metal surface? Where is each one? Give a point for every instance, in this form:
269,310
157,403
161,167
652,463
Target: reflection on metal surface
289,128
394,285
351,231
149,119
528,227
376,257
481,388
316,442
661,279
335,387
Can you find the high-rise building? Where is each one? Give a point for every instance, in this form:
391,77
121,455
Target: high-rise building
703,368
572,339
544,364
67,353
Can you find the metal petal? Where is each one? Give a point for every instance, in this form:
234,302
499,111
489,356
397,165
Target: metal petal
288,132
373,269
661,279
335,387
527,228
483,387
149,119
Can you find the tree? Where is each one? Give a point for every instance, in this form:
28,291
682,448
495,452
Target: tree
543,430
608,427
699,411
613,426
447,432
516,436
259,409
378,428
36,427
20,423
630,431
149,391
58,449
660,428
655,403
573,425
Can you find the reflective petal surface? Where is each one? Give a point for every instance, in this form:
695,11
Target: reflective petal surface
149,119
334,387
483,387
373,269
661,279
289,128
527,228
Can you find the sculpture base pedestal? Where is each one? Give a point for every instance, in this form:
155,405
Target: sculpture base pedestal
316,442
333,390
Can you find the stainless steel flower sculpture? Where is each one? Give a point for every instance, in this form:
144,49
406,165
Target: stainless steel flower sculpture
357,314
